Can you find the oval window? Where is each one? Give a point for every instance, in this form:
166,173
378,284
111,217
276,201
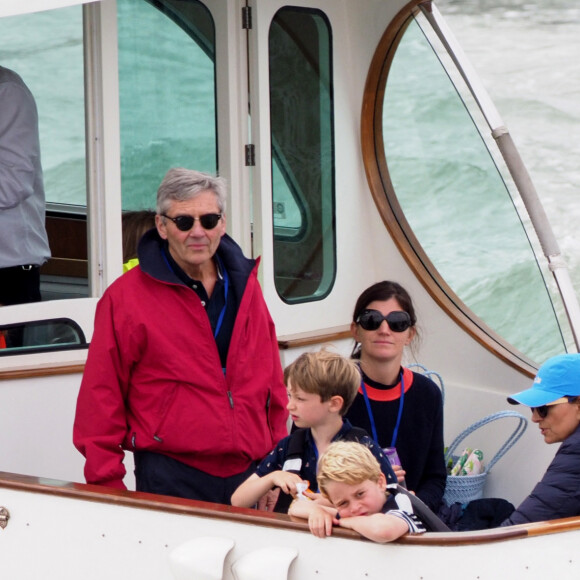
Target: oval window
450,203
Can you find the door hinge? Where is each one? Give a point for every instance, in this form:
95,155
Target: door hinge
4,517
246,17
250,155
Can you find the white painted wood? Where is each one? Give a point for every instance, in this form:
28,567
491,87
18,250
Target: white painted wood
265,564
51,537
200,558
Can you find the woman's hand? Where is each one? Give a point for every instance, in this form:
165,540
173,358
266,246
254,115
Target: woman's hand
399,473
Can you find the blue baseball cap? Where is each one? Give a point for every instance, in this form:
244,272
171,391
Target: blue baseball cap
558,377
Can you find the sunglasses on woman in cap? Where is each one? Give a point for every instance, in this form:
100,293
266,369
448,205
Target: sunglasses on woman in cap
544,409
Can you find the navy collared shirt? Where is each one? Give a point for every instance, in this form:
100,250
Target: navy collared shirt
274,461
213,304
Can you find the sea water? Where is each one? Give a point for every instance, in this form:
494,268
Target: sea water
527,54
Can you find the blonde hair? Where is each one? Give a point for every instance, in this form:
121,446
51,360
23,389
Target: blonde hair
325,373
347,462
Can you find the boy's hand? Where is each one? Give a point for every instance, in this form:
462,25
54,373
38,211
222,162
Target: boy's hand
320,522
286,481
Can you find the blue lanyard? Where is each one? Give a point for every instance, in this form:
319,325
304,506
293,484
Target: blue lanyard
370,412
226,278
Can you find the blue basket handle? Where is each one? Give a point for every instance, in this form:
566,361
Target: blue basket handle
511,441
430,374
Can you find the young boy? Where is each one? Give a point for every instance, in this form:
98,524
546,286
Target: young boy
321,387
350,478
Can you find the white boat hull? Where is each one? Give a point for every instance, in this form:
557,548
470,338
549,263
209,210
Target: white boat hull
77,531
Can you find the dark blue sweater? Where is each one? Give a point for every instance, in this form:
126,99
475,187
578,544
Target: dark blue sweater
557,495
420,440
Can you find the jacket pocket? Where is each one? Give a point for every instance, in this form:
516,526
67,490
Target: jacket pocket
165,410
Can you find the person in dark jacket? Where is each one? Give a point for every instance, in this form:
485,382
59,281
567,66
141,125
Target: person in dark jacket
554,399
183,367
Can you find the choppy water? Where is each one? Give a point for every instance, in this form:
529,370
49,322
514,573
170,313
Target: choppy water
527,54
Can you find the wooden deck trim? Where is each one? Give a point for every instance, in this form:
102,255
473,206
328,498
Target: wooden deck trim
153,502
319,337
323,336
48,371
140,500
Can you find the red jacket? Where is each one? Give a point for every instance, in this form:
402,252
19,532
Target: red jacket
153,379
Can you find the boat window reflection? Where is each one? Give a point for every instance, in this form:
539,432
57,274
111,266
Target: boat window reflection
46,49
166,93
303,189
40,336
454,200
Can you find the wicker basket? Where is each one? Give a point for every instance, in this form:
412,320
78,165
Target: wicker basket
465,488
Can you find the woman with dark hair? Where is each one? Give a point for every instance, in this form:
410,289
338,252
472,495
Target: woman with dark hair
401,409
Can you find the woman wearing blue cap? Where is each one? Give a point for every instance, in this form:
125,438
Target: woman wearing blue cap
555,402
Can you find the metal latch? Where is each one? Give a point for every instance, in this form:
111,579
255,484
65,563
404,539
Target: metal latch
4,517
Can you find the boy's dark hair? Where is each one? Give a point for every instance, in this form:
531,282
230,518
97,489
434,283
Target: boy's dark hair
325,373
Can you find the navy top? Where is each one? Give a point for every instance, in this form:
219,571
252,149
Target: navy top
420,437
213,305
274,461
557,495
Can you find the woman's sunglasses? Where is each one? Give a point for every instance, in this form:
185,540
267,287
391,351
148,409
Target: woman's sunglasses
397,320
184,223
544,409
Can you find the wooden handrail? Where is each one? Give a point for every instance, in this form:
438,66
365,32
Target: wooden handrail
320,336
96,493
324,336
150,501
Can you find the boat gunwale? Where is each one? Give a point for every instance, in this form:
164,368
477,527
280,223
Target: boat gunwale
181,506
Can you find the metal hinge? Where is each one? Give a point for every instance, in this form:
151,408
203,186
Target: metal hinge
246,18
250,155
4,517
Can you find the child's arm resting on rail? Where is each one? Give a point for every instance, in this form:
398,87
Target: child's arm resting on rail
320,514
383,527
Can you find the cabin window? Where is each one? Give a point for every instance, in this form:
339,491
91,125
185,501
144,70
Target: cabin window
453,205
41,336
46,50
166,92
302,149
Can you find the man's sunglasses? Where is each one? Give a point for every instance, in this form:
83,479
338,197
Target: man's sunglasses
184,223
397,320
544,409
